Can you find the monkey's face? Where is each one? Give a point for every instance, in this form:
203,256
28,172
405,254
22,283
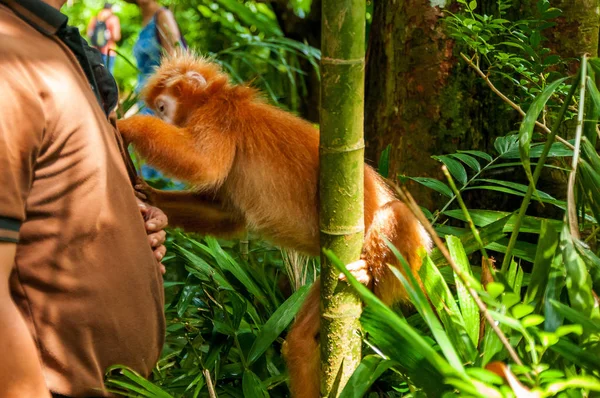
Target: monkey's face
165,106
174,95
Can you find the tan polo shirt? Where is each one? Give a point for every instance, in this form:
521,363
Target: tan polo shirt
85,278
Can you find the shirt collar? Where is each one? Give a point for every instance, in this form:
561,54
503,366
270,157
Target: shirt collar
38,14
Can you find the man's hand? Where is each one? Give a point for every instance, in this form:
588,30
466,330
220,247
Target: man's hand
155,221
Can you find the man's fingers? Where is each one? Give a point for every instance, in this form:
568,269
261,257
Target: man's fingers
156,220
160,252
157,238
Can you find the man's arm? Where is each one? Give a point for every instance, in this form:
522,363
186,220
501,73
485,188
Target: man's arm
20,367
115,28
168,31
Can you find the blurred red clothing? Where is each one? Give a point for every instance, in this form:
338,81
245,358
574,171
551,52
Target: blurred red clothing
112,24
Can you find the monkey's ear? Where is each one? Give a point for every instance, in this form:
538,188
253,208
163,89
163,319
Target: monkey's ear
196,78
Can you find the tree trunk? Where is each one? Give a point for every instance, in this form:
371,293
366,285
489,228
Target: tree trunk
341,185
420,98
576,30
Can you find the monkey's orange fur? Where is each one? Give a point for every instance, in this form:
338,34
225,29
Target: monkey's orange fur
261,164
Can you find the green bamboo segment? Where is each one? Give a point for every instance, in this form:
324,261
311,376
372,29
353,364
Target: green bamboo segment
341,185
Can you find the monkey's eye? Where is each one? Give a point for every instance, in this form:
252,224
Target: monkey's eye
161,106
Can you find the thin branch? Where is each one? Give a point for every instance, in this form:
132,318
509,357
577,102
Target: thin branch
408,199
504,98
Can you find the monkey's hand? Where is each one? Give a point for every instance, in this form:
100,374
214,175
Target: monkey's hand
360,270
145,192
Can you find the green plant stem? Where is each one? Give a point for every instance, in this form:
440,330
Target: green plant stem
536,175
516,107
463,207
244,243
571,214
408,199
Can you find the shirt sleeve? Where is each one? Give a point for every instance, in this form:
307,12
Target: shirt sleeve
22,124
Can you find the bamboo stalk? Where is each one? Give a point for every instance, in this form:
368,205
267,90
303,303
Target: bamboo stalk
341,185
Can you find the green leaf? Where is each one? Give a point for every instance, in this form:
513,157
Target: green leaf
369,370
201,269
419,300
506,143
228,264
469,309
520,310
252,386
592,325
592,261
480,154
532,320
495,289
260,20
445,305
528,124
587,383
394,337
141,381
456,169
556,282
556,150
594,93
468,160
485,376
490,233
384,162
277,323
434,184
546,248
578,280
577,355
482,218
535,39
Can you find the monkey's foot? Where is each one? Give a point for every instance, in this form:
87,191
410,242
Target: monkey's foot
360,271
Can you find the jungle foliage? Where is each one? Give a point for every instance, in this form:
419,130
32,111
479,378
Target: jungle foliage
526,327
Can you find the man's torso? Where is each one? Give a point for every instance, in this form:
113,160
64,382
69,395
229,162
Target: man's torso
85,278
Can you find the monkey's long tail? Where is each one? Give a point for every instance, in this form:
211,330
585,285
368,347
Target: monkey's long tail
301,350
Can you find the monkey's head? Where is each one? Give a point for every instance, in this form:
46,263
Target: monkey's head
180,85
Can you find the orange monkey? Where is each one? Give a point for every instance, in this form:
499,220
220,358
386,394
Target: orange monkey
255,166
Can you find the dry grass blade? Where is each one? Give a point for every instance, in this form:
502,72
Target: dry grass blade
297,268
209,384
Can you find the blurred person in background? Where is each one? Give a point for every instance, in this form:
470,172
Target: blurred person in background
104,31
160,35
